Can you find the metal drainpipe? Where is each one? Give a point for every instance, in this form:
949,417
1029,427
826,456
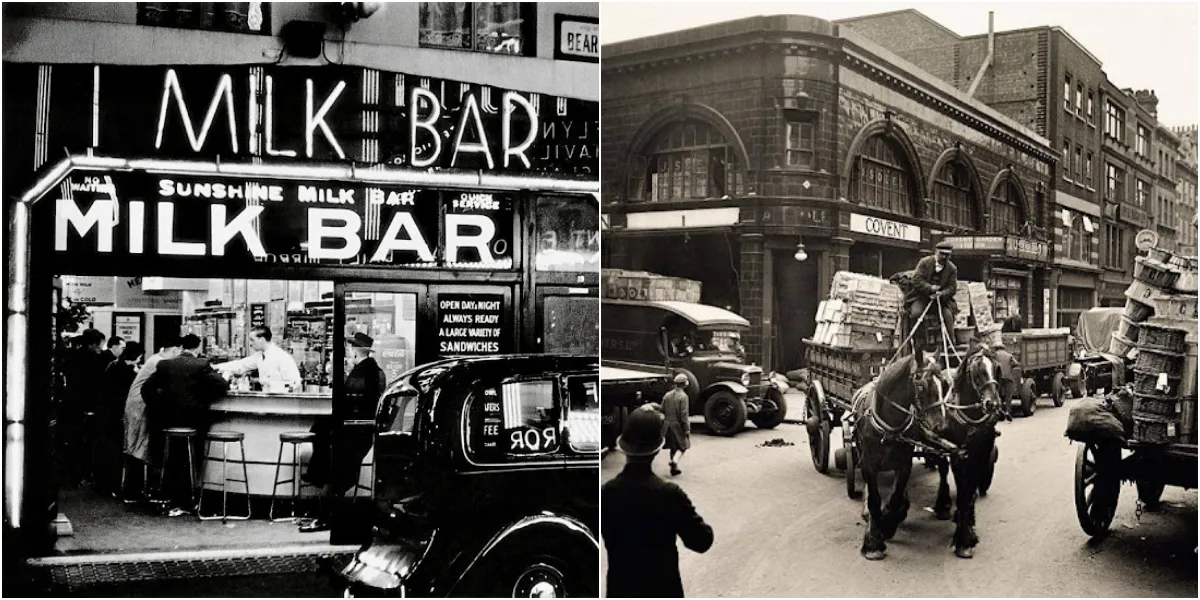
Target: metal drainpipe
991,53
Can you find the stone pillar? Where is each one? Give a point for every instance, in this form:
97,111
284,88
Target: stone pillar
750,293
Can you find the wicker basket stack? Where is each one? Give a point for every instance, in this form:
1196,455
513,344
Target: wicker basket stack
1158,332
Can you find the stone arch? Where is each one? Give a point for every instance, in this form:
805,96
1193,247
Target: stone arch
665,117
889,128
956,154
1008,175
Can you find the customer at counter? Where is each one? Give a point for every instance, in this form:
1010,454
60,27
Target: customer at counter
138,425
339,473
277,370
178,395
110,411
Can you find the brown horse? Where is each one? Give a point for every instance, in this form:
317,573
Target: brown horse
891,413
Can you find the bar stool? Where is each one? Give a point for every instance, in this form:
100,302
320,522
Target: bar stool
145,479
295,438
177,433
224,438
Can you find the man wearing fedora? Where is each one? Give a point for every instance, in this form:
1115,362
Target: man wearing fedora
934,278
338,471
642,516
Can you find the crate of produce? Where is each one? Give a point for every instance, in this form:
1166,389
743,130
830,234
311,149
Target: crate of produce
1154,273
1120,346
1154,429
1146,383
1150,360
1159,337
1137,311
1157,406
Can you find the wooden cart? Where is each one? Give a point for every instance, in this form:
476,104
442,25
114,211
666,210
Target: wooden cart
1101,468
1045,356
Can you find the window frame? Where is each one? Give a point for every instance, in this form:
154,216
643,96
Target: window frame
1141,193
1142,142
1011,201
892,185
1067,89
1079,99
527,12
506,458
1088,168
1066,159
141,17
568,379
646,187
954,198
1115,124
800,122
1091,108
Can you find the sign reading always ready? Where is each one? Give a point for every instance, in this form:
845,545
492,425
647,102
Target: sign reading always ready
139,217
884,228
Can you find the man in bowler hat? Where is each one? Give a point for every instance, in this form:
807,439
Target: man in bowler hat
338,469
642,516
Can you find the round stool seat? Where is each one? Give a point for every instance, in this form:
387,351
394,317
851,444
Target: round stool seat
226,436
179,431
297,436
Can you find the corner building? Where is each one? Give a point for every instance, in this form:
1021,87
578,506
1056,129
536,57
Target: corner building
730,147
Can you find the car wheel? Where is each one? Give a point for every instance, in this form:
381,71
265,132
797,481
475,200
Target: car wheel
772,419
540,580
724,413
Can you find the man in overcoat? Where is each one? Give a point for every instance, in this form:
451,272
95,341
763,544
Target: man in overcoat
934,279
676,409
642,516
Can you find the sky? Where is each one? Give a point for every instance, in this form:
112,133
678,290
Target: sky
1141,46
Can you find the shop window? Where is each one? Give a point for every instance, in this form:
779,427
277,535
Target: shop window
1007,210
1007,296
568,237
237,17
571,325
799,149
495,27
1116,183
1142,194
1114,124
953,197
689,161
882,180
583,414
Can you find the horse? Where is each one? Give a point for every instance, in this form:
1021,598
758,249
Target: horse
971,427
907,398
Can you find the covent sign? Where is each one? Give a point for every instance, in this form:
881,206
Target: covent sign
327,113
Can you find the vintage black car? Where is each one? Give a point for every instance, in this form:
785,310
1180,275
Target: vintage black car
486,472
702,342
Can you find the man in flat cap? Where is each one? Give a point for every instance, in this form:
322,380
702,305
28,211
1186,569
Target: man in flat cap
338,452
935,278
676,407
642,516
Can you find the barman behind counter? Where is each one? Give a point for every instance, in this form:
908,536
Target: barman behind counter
277,370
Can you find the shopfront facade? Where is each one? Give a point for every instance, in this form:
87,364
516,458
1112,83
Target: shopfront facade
784,149
442,217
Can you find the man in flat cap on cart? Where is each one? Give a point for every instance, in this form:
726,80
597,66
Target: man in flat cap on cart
642,515
934,279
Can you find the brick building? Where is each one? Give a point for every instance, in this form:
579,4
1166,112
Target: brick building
761,155
1185,188
1166,208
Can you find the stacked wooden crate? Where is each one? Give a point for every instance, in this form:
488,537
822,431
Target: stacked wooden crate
861,313
1159,336
620,284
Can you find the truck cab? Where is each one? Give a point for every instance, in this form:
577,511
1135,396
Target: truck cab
705,344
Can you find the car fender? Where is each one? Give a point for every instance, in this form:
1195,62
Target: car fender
542,530
383,566
733,387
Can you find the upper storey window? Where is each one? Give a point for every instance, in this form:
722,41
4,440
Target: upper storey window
495,27
688,161
882,180
237,17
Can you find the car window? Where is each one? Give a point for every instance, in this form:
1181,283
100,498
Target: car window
514,420
583,413
398,414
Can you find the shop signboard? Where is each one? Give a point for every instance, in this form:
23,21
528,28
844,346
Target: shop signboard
326,113
471,325
88,290
140,220
576,38
1027,249
986,243
885,228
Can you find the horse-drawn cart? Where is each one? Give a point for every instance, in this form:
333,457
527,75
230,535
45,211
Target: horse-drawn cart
1045,356
1101,468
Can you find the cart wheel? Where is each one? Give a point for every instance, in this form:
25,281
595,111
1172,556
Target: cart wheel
1150,492
1097,487
724,413
851,466
1028,398
818,426
1057,389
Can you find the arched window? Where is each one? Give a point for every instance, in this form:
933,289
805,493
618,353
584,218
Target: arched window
953,197
1008,213
691,160
882,180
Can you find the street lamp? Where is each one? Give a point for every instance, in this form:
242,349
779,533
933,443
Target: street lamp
801,254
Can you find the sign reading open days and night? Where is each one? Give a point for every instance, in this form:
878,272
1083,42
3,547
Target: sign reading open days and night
141,217
328,113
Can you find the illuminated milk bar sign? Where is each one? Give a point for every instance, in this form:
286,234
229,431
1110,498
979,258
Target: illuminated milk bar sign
323,113
139,216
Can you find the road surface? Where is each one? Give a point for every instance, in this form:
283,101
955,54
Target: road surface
782,529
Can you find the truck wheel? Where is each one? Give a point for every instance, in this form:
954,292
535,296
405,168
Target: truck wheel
724,413
1028,398
1078,388
771,419
1058,389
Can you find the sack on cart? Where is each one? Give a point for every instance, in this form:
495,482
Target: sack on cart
1093,420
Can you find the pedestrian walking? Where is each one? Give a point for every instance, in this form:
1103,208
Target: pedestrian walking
642,516
676,409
